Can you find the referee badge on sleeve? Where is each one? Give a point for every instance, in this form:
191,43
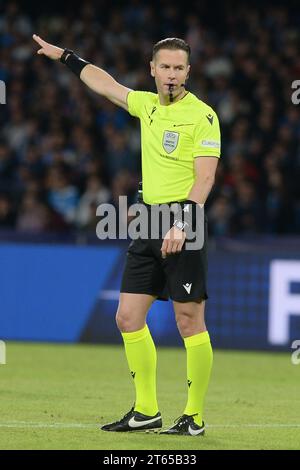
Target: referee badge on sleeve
170,141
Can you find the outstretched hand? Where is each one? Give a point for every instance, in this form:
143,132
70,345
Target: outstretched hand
53,52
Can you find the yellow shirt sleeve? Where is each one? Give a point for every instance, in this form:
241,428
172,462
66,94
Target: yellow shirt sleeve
207,137
135,102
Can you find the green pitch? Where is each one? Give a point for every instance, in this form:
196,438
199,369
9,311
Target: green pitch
53,397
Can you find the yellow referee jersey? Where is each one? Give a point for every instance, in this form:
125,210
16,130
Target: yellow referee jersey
172,136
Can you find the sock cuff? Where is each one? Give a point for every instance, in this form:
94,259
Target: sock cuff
136,336
197,340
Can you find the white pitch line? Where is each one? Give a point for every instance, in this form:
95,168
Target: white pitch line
25,424
253,425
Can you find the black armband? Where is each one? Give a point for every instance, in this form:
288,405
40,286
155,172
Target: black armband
71,60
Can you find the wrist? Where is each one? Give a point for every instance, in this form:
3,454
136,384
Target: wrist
189,215
73,61
60,53
65,54
181,225
190,201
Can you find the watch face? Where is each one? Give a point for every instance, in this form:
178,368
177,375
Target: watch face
180,225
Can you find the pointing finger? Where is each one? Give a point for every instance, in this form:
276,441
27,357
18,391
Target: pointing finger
38,40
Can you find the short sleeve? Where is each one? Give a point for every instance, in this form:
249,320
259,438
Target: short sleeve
135,102
207,137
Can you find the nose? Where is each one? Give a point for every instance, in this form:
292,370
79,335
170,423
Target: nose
171,75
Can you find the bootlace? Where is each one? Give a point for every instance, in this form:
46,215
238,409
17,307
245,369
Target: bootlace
184,419
125,416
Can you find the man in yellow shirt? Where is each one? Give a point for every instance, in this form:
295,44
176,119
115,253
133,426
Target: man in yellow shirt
180,151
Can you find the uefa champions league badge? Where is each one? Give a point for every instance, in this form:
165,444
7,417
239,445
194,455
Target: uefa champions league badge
170,141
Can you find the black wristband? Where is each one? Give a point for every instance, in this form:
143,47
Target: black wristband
64,55
75,63
140,192
189,201
188,215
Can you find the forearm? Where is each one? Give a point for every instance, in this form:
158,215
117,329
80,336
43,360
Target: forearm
201,189
97,79
94,77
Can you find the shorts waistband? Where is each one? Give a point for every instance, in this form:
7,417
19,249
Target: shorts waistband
161,203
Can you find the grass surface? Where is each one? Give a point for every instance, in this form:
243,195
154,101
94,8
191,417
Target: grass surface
54,396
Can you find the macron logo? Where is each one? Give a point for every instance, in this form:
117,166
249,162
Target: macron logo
187,287
210,118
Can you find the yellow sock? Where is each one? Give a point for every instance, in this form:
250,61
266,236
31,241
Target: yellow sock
199,364
141,356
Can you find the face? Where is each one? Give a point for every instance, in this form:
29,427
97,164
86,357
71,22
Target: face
170,67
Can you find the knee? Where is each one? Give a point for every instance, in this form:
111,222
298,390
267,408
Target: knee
190,321
124,320
185,324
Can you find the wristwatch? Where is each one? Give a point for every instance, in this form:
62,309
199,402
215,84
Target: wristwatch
180,225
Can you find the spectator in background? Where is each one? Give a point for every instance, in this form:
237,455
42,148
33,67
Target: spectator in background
247,218
61,195
8,167
220,217
33,216
243,64
118,156
37,217
7,213
94,195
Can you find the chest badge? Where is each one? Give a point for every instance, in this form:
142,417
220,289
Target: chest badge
170,141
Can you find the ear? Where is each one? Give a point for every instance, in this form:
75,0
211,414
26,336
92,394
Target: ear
188,71
152,69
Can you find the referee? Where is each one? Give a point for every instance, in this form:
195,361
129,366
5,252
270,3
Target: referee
180,152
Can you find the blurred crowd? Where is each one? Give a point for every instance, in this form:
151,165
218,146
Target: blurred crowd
65,149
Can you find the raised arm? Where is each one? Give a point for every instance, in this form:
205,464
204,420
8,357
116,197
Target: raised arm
94,77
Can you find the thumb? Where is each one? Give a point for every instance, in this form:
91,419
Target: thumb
40,51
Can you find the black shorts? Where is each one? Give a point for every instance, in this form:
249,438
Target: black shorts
181,276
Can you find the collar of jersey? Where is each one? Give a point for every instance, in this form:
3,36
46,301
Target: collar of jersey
174,104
